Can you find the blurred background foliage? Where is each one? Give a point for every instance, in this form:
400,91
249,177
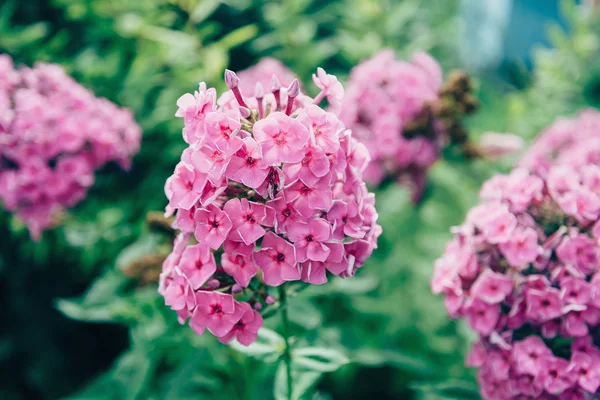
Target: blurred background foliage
78,322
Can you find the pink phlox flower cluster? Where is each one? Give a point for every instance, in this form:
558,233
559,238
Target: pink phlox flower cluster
269,191
262,72
382,96
53,135
523,271
574,142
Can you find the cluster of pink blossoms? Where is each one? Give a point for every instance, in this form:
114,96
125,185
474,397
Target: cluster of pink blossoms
269,191
574,142
53,135
395,108
524,271
262,73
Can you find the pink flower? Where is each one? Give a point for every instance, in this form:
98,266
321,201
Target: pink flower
554,375
212,226
237,261
573,322
185,186
482,317
216,312
313,166
285,213
324,127
346,219
193,109
314,272
246,329
580,251
197,264
528,355
212,162
575,291
587,370
492,287
309,239
247,166
330,88
281,138
543,305
222,130
178,293
499,227
277,260
309,198
521,249
246,218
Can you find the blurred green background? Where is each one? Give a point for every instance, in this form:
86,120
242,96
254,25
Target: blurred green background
75,321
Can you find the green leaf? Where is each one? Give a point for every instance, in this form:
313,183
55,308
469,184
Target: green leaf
376,357
268,346
302,383
320,359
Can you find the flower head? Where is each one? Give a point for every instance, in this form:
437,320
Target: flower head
271,189
524,268
53,135
401,111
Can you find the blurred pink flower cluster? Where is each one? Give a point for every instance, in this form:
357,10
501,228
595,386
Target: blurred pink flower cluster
394,108
269,191
523,270
53,135
574,142
262,73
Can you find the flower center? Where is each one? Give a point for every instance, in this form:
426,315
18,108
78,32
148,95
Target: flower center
279,138
250,161
545,303
216,309
309,238
280,257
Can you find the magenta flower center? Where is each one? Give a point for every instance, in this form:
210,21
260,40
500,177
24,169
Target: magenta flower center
280,138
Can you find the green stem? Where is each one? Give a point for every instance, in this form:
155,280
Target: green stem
287,355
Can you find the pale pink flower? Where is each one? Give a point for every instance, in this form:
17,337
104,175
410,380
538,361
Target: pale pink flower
492,287
521,248
247,165
281,138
